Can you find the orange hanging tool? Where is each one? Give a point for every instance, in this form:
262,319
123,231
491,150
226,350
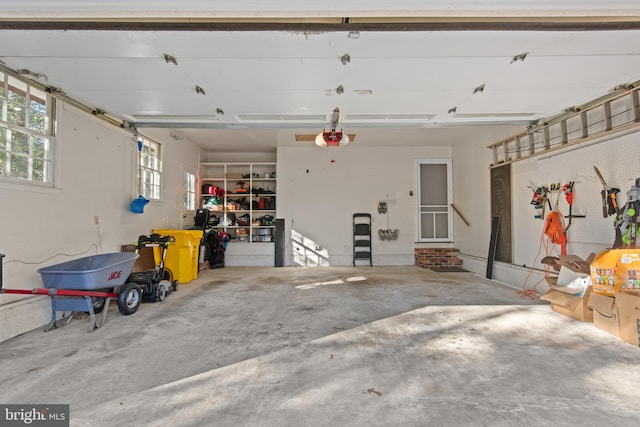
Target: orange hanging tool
568,193
554,229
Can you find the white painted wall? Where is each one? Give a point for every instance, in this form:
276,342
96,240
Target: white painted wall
96,164
319,204
317,198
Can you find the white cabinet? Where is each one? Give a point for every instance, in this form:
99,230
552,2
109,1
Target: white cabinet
241,199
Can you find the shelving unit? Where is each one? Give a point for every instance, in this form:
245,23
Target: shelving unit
247,210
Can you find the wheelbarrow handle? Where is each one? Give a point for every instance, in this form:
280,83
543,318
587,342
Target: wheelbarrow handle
59,292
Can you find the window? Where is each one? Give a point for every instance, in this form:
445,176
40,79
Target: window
26,131
435,221
150,169
189,191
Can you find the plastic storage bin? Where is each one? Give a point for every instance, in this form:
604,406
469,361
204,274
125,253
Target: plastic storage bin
182,255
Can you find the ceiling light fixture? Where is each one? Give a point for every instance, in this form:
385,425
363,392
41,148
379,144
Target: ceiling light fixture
479,89
169,59
345,59
452,110
199,90
519,57
219,111
354,35
332,138
340,90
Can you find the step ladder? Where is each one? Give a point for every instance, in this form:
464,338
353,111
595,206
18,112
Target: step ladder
362,238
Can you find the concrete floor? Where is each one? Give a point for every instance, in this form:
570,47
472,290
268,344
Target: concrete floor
381,346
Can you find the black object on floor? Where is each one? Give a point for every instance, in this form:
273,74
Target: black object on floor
493,244
279,243
215,247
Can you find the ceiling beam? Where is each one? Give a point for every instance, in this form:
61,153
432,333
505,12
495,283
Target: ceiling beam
331,24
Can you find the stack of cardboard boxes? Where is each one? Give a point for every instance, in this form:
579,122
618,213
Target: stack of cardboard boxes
603,289
615,275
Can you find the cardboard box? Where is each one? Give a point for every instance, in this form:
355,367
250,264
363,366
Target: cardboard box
575,263
629,314
570,282
605,313
146,260
568,292
232,175
570,305
616,270
571,268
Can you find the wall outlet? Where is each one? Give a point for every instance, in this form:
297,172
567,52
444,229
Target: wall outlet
96,220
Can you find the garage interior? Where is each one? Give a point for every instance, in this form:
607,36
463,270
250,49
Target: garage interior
511,98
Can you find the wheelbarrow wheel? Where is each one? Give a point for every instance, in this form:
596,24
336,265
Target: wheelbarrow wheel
98,304
129,298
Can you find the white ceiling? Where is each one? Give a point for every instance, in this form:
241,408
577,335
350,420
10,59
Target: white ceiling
265,83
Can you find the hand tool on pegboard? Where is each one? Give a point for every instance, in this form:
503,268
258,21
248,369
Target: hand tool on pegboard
540,200
567,189
546,200
536,201
609,196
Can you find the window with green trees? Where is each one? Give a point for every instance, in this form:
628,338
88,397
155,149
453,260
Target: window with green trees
189,183
150,171
26,131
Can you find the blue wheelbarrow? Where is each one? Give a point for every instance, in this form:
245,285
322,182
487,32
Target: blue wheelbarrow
87,285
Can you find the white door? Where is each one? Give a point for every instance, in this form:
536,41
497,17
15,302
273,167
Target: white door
435,221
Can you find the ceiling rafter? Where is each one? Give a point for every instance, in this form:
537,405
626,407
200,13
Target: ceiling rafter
493,24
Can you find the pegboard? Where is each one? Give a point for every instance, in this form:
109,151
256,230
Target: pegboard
618,161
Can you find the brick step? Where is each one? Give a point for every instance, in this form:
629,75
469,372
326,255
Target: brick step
439,259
